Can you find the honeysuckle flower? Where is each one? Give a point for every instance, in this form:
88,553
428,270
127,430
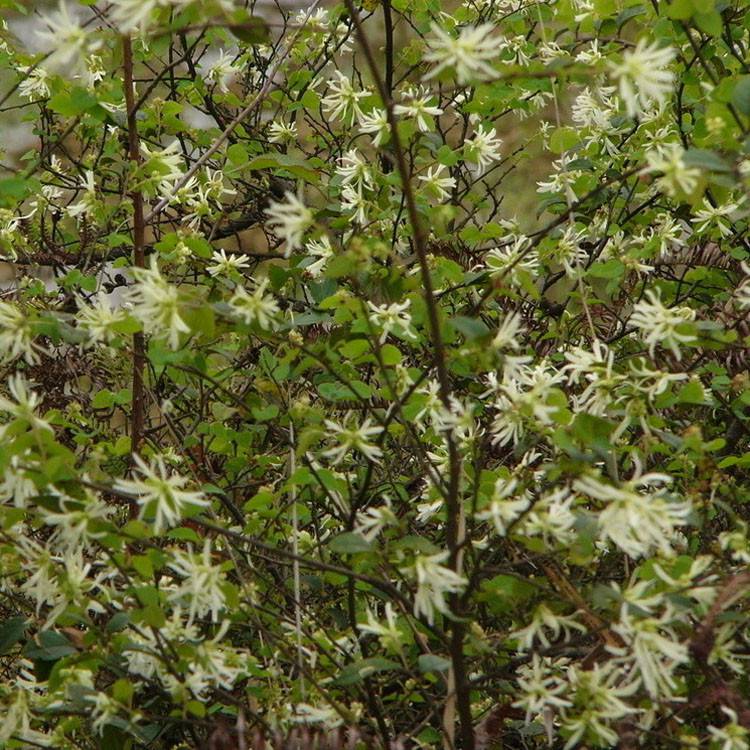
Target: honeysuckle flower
643,76
353,200
544,619
222,71
599,700
343,100
467,54
388,632
506,505
354,170
731,736
659,325
353,438
289,219
24,403
99,318
201,585
438,187
639,516
68,41
156,304
257,306
434,583
369,523
390,318
16,335
508,332
418,107
675,175
540,688
715,216
483,149
320,249
654,650
160,493
35,82
227,264
282,132
375,122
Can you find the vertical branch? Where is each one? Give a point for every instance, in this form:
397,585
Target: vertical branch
139,242
459,692
388,22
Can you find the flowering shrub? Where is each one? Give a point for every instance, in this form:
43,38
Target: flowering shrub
393,375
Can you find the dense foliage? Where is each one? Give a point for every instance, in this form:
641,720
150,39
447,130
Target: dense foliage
308,428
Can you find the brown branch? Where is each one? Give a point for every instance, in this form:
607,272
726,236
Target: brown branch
139,243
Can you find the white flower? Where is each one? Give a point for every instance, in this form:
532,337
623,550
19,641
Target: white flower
545,619
99,318
392,317
155,303
710,216
508,330
389,634
639,517
160,493
25,403
483,148
342,101
370,522
732,736
223,70
434,582
643,77
354,170
659,324
163,166
258,306
353,200
69,42
289,219
418,107
655,650
34,84
467,54
540,688
597,702
436,186
226,264
323,251
282,132
676,176
16,335
353,438
201,588
87,204
375,122
503,510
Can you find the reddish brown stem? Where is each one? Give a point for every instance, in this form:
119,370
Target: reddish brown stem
139,244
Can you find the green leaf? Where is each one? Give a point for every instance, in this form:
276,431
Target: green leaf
349,543
74,102
363,668
563,139
433,663
11,631
709,23
706,160
296,166
237,154
248,28
471,328
49,645
741,95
